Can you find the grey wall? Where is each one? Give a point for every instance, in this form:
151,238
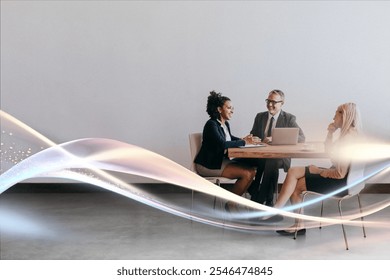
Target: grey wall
140,72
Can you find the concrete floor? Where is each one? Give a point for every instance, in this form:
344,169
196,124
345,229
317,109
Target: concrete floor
104,225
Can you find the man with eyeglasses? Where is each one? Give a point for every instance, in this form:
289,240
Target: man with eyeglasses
268,169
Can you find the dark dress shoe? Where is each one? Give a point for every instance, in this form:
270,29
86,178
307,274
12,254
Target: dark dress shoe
292,233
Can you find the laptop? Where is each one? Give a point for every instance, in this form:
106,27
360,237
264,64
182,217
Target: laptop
285,136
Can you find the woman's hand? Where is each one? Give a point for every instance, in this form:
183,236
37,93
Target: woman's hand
332,128
250,139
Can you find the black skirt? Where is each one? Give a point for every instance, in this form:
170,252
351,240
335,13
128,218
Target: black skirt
319,184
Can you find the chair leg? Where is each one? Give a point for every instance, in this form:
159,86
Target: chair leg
342,226
300,212
322,212
296,228
192,203
276,191
218,183
361,218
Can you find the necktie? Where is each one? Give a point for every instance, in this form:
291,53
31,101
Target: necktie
270,127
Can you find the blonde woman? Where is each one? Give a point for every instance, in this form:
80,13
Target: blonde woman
317,179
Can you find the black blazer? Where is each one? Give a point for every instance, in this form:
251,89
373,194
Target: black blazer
284,120
214,145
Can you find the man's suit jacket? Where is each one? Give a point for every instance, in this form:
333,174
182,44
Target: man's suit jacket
214,145
284,120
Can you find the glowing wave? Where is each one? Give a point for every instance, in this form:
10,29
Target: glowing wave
94,160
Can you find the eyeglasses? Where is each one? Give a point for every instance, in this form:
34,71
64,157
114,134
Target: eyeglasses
272,102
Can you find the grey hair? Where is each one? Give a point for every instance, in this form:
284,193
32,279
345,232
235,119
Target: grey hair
278,92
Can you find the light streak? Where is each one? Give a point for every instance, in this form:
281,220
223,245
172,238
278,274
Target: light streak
92,160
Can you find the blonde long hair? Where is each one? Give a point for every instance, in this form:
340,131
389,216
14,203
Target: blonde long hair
351,119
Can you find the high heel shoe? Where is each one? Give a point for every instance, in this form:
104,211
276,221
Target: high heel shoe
301,231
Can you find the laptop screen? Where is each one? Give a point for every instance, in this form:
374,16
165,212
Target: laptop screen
285,135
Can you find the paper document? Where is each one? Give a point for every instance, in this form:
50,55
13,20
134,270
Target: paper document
253,146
